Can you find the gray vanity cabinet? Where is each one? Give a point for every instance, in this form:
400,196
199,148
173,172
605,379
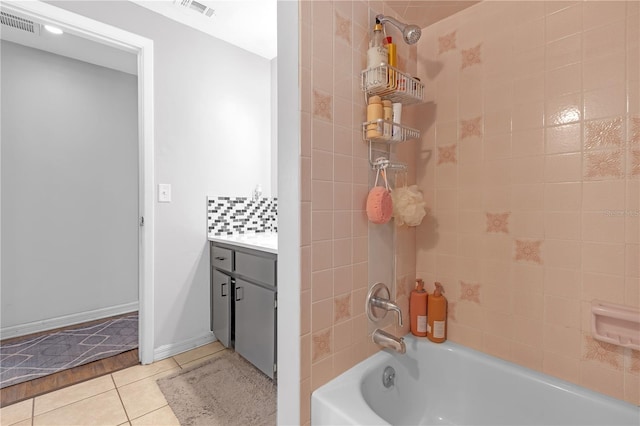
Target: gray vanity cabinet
221,306
255,325
244,303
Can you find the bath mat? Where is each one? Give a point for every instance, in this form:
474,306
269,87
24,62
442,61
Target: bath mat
32,357
226,390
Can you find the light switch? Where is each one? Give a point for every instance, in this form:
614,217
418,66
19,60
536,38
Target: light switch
164,193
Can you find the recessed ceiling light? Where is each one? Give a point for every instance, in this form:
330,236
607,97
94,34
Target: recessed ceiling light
52,29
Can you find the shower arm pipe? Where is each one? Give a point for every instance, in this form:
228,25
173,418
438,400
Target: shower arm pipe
410,33
399,25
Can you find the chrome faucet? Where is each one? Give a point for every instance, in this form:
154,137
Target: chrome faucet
386,340
387,305
378,304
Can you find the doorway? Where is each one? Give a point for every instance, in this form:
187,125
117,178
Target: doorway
142,48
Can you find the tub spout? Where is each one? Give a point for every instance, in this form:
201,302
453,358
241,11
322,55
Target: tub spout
386,340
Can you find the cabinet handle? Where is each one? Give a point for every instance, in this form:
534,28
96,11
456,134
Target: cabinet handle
222,293
220,258
239,294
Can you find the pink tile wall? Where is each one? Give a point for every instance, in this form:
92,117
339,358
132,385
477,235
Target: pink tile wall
531,163
334,185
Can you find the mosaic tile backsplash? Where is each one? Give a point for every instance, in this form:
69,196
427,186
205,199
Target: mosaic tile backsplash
241,215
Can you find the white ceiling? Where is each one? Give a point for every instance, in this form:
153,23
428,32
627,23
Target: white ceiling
74,47
249,24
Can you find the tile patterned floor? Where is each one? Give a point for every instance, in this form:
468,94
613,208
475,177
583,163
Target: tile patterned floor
127,397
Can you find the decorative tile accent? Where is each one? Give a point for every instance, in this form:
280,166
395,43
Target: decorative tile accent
322,105
342,308
635,130
528,251
447,42
343,28
603,133
447,154
470,292
603,352
635,362
498,222
471,56
472,127
635,163
604,164
321,345
241,215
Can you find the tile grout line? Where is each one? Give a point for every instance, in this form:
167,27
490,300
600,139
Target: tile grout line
120,398
152,411
66,405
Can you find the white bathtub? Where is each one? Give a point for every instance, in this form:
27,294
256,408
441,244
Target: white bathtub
448,384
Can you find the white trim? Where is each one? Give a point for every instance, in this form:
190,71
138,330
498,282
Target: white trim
143,47
172,349
288,214
66,320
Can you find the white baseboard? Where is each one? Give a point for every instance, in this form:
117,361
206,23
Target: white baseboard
166,351
66,320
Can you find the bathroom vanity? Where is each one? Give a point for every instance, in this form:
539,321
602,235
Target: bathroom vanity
244,296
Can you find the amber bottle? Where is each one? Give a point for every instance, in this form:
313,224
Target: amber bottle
418,309
437,323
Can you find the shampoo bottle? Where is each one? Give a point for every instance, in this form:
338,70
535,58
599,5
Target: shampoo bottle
437,322
374,113
418,309
377,54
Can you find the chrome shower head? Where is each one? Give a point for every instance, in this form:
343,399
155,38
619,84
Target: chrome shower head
410,33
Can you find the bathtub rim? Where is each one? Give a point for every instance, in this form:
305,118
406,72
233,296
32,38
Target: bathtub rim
343,393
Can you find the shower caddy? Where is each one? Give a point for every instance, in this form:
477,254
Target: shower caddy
390,84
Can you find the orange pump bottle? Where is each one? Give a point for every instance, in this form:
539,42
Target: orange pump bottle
437,323
418,309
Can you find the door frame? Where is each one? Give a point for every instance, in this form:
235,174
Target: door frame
143,47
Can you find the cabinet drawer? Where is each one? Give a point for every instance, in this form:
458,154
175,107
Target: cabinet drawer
258,268
222,258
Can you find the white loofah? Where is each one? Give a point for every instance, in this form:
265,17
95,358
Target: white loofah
408,206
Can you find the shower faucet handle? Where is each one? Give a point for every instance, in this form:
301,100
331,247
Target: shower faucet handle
378,303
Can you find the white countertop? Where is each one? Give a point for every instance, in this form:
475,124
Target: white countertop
265,241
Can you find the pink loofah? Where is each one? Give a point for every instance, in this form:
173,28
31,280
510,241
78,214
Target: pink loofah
379,205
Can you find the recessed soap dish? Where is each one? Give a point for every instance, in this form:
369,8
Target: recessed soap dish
615,324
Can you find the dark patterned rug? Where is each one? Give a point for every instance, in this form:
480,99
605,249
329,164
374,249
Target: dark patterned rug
33,357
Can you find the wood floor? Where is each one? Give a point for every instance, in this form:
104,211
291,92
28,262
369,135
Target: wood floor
72,376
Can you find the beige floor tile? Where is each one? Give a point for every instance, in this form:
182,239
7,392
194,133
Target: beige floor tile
202,360
142,397
103,409
162,417
194,354
26,422
66,396
15,413
139,372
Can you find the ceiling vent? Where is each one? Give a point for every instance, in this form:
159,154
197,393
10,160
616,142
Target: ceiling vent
19,23
196,6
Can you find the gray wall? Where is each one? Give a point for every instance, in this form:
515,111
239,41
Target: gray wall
212,131
69,186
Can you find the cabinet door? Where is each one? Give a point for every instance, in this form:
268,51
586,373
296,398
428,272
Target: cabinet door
221,306
255,325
